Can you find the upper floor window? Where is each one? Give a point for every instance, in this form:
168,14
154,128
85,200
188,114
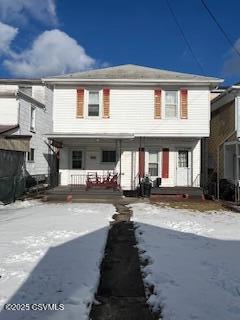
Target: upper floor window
93,104
171,104
33,119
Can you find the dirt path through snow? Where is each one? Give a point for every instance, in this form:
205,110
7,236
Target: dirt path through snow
121,292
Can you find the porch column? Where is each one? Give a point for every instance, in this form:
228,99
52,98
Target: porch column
141,165
120,160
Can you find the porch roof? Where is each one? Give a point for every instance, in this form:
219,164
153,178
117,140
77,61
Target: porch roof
91,135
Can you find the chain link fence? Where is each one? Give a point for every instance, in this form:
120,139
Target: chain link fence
11,188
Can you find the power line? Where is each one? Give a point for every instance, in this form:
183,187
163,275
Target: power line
184,36
221,28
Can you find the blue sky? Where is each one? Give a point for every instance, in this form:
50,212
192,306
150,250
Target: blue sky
66,36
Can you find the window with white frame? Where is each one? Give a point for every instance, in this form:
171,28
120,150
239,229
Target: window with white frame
93,104
30,155
77,159
33,119
153,164
171,104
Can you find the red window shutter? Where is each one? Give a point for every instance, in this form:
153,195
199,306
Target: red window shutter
106,103
184,103
165,163
157,103
80,103
141,166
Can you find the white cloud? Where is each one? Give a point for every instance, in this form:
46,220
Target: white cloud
7,34
52,53
18,11
232,64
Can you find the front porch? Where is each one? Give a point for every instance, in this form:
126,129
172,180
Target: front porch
173,162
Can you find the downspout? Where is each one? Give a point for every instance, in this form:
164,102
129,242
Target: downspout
140,146
237,175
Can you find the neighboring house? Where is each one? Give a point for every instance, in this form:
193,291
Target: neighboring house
25,116
223,143
134,120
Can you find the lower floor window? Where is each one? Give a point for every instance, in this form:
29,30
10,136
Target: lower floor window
108,156
153,164
30,155
76,159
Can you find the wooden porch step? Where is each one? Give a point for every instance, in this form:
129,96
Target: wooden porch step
81,190
177,192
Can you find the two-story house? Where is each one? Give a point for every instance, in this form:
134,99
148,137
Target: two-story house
133,120
223,144
25,117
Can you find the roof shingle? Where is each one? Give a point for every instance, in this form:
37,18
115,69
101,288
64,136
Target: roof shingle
130,71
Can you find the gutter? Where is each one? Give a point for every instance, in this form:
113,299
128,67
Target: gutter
8,93
193,82
21,81
19,93
225,92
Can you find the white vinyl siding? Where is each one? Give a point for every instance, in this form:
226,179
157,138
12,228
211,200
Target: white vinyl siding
39,93
38,140
8,111
132,111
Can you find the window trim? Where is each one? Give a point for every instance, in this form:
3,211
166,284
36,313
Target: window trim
100,96
178,104
71,156
107,150
158,162
29,155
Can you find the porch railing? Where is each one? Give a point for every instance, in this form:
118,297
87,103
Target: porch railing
135,181
196,181
78,180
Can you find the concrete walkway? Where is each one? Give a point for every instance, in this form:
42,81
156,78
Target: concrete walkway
121,293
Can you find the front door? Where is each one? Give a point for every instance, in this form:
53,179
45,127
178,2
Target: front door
183,167
153,166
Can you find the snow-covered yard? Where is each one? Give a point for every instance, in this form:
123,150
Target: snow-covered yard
194,261
50,253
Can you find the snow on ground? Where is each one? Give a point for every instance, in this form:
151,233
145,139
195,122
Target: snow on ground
50,253
194,261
